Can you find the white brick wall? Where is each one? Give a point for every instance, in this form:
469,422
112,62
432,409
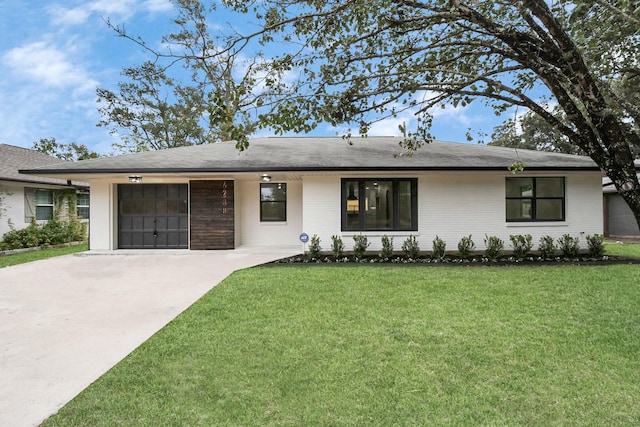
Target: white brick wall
251,232
456,204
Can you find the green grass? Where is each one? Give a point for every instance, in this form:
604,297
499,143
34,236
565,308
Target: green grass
387,346
623,249
21,258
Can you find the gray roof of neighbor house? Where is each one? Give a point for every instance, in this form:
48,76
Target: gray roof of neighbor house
13,159
321,154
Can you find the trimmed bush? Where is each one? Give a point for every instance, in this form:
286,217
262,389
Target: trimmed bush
494,247
387,247
521,245
360,245
439,248
314,247
569,246
411,247
466,246
596,245
547,247
337,246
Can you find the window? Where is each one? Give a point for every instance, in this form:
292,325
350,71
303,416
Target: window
535,199
273,202
379,204
44,204
83,205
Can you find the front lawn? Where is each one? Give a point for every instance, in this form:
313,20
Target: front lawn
28,256
387,345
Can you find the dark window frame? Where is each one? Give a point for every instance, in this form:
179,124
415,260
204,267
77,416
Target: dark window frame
395,204
284,202
534,199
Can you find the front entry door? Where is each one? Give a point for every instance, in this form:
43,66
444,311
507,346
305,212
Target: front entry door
212,215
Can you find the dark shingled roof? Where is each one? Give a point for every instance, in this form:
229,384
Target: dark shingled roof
322,154
13,159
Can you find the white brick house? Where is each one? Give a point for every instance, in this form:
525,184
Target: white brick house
214,197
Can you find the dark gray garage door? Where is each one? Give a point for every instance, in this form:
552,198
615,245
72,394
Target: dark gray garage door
153,216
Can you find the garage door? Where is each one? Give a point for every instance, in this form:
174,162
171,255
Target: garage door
153,216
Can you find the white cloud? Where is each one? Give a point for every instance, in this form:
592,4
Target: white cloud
119,9
47,65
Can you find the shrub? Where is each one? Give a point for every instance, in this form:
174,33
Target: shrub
547,247
596,245
411,247
360,245
521,245
54,232
466,246
569,246
439,247
337,246
314,247
387,247
494,247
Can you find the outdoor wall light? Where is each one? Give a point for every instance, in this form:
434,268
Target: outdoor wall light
135,178
266,178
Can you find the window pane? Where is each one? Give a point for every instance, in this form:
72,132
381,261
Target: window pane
83,199
44,197
518,209
353,194
404,205
273,192
83,212
550,187
44,212
549,209
273,211
379,205
519,187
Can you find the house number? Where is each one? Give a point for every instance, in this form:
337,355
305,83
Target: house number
224,197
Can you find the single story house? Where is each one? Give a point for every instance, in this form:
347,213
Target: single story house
27,197
216,197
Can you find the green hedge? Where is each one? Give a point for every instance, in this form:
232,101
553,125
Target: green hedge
53,232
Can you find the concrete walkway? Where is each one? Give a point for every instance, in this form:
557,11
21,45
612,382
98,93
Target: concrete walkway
65,321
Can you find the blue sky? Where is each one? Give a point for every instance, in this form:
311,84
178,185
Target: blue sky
53,56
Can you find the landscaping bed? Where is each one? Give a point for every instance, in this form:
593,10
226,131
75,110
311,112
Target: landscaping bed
453,260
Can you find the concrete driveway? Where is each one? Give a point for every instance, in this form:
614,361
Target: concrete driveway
65,321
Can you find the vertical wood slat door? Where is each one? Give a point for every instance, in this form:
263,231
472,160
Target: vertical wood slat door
212,215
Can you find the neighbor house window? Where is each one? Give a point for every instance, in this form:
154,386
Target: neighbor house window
535,199
83,205
44,204
379,204
273,202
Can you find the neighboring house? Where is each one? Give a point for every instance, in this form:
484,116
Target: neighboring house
27,197
619,221
215,197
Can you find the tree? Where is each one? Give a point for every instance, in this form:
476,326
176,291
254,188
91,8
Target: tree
363,61
532,132
70,152
154,110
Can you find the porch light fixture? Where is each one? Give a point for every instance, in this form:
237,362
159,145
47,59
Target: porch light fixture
266,178
135,178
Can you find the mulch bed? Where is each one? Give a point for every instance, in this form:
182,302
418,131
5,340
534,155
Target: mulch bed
477,261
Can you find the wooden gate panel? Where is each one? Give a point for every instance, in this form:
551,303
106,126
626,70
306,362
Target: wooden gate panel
212,215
